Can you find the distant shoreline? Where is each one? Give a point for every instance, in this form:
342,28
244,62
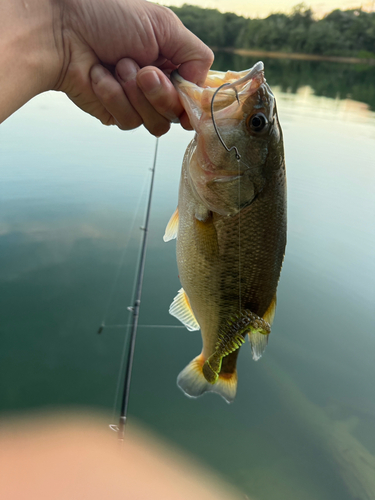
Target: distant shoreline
292,55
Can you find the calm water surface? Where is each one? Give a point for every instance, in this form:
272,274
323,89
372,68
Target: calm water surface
73,196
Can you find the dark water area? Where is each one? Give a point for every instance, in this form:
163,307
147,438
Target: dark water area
72,198
335,80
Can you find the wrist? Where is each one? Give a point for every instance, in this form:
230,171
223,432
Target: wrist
30,51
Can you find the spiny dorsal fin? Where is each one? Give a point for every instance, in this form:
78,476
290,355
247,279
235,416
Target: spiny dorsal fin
270,313
181,309
172,227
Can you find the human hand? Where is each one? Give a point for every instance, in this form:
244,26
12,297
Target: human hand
77,457
117,57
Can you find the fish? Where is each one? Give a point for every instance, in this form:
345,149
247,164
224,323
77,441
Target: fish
230,223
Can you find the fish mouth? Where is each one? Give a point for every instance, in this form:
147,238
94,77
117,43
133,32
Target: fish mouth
197,100
215,79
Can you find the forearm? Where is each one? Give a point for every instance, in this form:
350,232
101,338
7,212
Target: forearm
30,51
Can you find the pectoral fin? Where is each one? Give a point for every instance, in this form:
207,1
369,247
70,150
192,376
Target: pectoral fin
202,213
181,309
172,227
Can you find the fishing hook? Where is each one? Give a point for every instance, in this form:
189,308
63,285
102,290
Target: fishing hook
257,68
238,156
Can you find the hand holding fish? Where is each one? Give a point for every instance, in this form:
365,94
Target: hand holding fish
112,58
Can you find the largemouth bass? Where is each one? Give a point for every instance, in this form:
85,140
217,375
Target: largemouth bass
230,224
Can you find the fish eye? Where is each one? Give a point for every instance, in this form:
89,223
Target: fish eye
257,122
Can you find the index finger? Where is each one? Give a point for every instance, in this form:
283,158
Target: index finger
181,46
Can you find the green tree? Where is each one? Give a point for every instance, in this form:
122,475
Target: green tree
345,33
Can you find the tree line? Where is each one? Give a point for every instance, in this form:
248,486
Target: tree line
348,33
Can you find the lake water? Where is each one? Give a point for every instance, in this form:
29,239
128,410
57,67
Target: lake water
73,196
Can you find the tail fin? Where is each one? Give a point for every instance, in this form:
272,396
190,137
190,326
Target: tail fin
192,382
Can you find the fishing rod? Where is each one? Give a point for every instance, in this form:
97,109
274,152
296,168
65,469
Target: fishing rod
135,310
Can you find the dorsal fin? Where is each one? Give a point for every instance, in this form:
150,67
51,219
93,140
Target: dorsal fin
172,227
181,309
270,313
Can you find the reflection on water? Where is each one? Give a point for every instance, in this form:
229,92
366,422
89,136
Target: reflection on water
338,81
73,195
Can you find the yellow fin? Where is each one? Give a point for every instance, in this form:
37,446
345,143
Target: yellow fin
181,309
193,383
259,340
172,227
270,313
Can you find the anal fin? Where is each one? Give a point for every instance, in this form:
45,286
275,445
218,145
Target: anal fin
259,338
258,343
181,309
259,331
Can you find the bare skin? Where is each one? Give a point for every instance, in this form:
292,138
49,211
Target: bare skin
112,58
79,458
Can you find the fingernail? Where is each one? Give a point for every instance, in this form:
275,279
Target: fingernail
127,70
149,82
97,73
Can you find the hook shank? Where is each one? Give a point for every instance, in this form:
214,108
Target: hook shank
233,148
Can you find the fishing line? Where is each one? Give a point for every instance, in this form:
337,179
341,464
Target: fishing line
145,326
122,260
122,364
238,157
125,343
126,338
123,353
239,237
135,315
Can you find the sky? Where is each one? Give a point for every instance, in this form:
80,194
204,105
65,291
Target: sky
263,8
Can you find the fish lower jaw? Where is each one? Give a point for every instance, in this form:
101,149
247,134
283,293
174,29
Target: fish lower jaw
209,176
214,171
226,178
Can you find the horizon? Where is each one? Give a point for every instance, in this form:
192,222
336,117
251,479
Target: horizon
261,9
